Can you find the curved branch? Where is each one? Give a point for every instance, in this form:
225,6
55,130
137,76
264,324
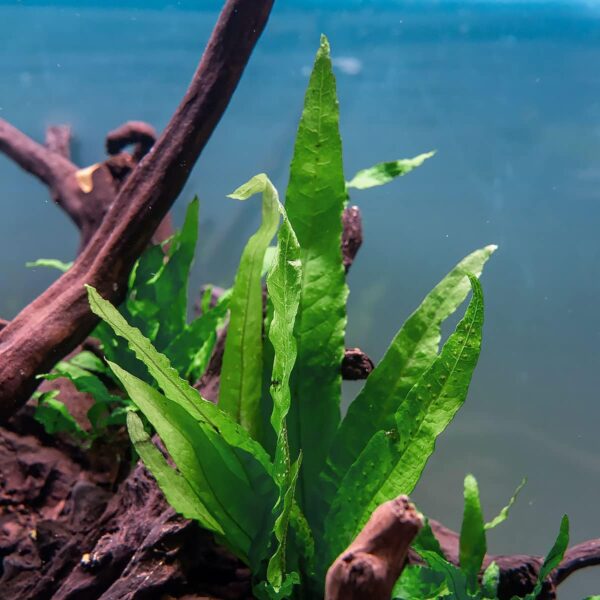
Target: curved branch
136,133
58,320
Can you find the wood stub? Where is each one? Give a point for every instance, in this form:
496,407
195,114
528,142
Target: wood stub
371,565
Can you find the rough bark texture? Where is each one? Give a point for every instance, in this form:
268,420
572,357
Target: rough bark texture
371,565
59,319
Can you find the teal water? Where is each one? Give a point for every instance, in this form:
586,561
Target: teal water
508,94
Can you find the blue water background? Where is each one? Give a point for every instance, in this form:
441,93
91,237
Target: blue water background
509,95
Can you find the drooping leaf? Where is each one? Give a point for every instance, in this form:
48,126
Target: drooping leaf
55,417
426,540
385,172
315,201
175,487
503,514
233,486
411,352
241,374
393,460
175,388
473,546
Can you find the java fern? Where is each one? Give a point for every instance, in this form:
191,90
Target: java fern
269,470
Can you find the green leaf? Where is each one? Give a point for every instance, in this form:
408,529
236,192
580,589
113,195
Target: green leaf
90,362
190,351
553,558
177,490
160,284
419,583
503,514
426,540
283,284
473,544
385,172
315,201
490,581
455,578
411,352
55,417
175,388
51,263
241,375
233,486
393,460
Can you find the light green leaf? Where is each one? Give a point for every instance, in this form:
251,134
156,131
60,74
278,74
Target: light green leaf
503,514
490,581
411,352
315,201
55,417
385,172
473,546
419,583
241,375
231,486
90,362
283,284
175,388
176,489
393,460
51,263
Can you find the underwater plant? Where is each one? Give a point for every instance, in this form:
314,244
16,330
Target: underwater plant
273,470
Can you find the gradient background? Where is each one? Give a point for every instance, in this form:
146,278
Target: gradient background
509,95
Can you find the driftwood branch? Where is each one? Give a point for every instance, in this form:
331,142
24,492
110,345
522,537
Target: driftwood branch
58,320
371,565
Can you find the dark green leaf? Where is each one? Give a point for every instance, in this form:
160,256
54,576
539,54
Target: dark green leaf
55,416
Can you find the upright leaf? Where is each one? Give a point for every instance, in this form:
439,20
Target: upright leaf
241,375
393,460
385,172
283,284
411,352
553,558
315,200
472,547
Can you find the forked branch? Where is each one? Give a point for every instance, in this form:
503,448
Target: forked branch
58,320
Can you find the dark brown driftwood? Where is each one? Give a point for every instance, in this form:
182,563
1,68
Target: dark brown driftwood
371,565
58,320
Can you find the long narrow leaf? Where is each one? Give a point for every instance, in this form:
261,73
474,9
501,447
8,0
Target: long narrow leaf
503,514
175,487
315,200
411,352
283,284
393,460
241,375
473,546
